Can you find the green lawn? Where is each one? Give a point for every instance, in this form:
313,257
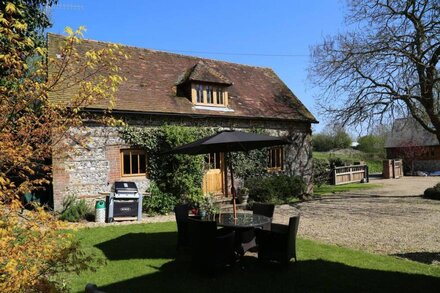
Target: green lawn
374,165
330,189
143,258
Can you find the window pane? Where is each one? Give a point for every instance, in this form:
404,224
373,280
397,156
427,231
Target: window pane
142,163
209,98
276,158
217,160
212,161
134,164
281,158
199,94
220,96
126,164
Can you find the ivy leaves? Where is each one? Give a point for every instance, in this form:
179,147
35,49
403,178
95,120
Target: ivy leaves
181,175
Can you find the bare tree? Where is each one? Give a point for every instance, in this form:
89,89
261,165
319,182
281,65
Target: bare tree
385,67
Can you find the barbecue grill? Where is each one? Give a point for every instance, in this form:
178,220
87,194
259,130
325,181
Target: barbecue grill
125,203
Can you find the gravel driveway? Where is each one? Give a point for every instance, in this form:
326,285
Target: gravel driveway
393,219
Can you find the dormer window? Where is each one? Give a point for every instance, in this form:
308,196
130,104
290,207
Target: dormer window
204,86
209,95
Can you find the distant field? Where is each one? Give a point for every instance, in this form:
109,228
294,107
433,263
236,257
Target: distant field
374,164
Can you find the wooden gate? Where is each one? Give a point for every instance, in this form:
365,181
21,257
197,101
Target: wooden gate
349,174
213,180
392,168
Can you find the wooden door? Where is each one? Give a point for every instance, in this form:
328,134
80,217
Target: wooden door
213,178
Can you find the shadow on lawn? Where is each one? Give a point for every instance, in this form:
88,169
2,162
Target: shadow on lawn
140,246
423,257
304,276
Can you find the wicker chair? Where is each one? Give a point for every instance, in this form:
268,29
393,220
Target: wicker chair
181,211
278,244
264,209
248,236
211,248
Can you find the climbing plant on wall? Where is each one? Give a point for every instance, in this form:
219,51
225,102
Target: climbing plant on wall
252,163
182,174
179,175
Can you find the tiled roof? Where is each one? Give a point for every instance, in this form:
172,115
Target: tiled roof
152,77
408,132
204,73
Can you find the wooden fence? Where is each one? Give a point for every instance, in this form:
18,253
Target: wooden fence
349,174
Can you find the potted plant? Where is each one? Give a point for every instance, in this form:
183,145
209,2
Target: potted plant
205,206
243,195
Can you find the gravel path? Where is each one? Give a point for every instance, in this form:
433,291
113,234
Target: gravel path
392,219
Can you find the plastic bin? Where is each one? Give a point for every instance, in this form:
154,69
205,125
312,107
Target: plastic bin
100,211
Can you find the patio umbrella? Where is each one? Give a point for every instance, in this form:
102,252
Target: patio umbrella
227,141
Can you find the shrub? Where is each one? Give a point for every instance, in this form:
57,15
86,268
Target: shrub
158,202
339,162
35,248
433,192
321,172
75,210
275,189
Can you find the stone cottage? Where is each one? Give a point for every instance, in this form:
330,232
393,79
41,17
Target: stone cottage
171,88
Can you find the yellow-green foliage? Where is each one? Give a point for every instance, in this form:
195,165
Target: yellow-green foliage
32,246
33,250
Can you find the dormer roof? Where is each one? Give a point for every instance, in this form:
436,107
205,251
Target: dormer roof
202,72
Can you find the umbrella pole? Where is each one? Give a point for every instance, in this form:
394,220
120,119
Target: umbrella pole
234,205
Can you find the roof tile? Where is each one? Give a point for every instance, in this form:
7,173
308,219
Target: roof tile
254,92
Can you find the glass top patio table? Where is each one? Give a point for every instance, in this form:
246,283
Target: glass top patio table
244,220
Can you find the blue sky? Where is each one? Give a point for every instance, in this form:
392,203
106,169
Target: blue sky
242,31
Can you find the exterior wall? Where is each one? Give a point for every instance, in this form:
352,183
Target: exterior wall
415,152
427,165
86,171
423,158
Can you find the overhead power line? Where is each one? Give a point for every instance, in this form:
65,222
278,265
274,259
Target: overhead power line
234,54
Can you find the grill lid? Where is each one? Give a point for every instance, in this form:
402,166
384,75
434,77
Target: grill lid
125,186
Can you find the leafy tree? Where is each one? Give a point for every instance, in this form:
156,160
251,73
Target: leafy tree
385,65
372,144
331,138
322,142
32,247
341,139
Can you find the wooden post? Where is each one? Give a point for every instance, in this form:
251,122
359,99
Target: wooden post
225,167
233,192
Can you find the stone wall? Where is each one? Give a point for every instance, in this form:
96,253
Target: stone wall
88,169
